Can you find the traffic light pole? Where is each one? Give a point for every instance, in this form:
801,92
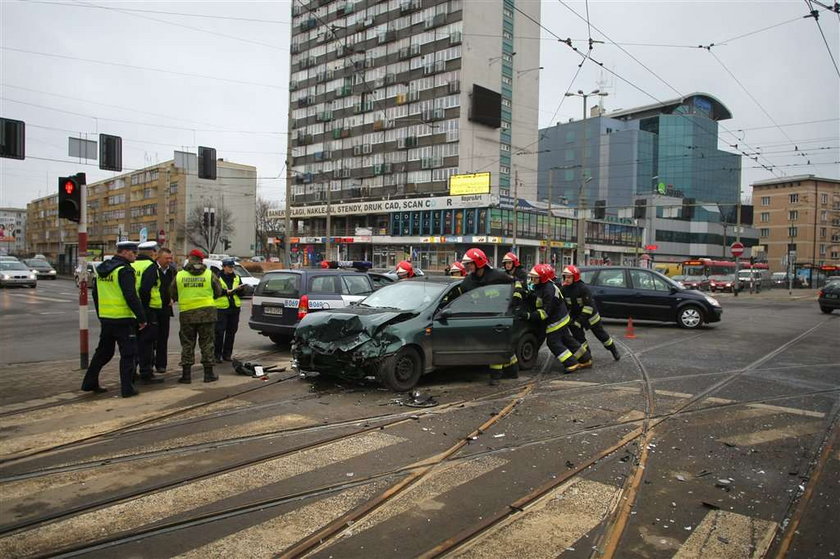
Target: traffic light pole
83,291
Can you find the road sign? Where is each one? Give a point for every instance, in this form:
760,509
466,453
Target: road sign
737,249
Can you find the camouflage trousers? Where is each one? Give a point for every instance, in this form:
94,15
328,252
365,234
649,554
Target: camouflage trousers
205,332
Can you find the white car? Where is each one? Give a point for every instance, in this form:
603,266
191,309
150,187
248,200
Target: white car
16,273
91,269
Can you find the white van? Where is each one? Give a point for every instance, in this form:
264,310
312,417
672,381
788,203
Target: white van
759,278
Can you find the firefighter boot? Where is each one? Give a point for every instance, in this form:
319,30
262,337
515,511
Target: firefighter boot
495,376
186,374
614,351
208,374
511,371
570,366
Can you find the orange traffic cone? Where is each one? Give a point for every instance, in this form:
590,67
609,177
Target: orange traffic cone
630,335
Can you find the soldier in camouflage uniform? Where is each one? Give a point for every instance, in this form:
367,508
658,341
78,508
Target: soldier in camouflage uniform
195,289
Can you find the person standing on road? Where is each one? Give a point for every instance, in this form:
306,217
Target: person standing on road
195,289
585,316
120,314
514,268
479,274
148,289
551,311
227,307
166,273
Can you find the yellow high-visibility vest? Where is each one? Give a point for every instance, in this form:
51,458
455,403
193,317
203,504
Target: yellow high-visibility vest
194,292
223,302
112,302
140,266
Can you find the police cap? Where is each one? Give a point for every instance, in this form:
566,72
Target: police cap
148,245
127,245
228,262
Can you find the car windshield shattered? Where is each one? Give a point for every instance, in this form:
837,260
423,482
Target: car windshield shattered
404,295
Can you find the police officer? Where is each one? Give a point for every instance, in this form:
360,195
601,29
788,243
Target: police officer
479,274
166,273
120,314
584,315
227,307
404,270
195,289
514,268
551,311
148,288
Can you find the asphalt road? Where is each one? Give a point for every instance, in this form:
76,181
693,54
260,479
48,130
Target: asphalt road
721,443
51,312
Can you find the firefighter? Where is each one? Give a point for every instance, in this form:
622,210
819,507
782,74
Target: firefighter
551,310
584,315
456,269
480,273
514,268
405,270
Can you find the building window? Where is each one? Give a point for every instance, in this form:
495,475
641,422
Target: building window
794,198
792,232
765,200
504,170
765,217
505,147
764,232
823,198
823,215
822,250
823,232
793,215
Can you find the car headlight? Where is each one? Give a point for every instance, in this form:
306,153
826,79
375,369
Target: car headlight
712,301
33,275
4,276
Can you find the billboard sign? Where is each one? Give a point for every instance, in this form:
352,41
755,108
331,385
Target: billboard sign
473,183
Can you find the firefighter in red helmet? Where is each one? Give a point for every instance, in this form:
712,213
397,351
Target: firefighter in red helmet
585,315
551,311
405,270
457,269
479,274
513,267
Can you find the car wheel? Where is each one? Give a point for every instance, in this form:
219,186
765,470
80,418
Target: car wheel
528,351
690,316
400,372
280,339
826,310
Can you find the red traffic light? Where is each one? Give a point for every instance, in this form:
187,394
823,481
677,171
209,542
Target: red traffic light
69,187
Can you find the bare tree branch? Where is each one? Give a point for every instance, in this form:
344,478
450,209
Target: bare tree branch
267,226
207,234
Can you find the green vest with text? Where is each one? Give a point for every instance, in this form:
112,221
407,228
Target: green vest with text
223,302
194,292
110,297
140,266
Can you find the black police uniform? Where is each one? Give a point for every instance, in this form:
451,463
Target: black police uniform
585,316
147,338
164,314
116,331
227,322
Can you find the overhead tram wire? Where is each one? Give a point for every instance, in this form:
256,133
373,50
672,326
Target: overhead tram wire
625,51
816,15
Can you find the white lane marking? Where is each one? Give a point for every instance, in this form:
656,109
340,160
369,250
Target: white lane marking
550,526
29,297
728,535
133,514
772,435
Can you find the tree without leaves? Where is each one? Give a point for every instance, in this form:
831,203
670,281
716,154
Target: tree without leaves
207,238
267,226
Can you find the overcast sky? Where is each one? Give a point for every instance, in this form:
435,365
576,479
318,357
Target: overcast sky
175,75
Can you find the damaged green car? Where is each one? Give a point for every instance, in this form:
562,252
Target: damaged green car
412,327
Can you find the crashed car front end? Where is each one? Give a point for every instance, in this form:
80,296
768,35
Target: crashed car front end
348,344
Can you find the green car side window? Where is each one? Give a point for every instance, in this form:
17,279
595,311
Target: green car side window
489,299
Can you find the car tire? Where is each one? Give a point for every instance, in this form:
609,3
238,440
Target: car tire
280,339
528,351
690,316
401,372
826,310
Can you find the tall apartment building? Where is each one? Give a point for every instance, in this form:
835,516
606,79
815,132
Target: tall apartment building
391,98
158,198
669,148
12,230
798,220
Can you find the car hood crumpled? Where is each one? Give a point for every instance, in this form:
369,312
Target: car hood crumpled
342,330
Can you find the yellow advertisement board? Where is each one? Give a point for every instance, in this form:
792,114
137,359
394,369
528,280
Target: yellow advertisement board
474,183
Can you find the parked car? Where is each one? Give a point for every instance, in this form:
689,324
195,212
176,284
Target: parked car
722,283
16,273
42,268
257,259
380,279
760,279
7,258
412,327
284,297
623,292
91,270
829,297
780,279
695,282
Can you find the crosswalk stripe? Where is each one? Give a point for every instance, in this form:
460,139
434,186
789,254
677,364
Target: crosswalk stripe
164,504
28,297
773,435
268,538
548,528
728,535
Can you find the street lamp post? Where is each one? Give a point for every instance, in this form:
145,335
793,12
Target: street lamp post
581,259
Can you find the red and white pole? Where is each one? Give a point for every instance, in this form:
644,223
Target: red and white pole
83,290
